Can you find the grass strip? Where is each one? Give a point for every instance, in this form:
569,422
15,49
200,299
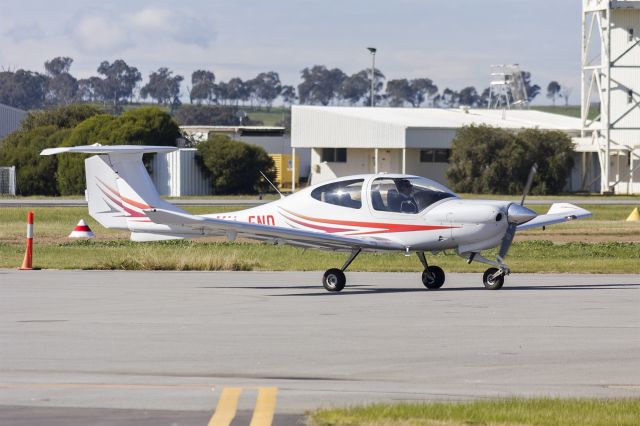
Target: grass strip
508,412
527,256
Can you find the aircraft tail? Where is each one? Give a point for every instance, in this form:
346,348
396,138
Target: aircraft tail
119,188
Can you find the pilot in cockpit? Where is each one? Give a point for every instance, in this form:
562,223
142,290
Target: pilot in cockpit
405,203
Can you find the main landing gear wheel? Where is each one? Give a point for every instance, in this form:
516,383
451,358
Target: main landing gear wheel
334,279
433,277
491,282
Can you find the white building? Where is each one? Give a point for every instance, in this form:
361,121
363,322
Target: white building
10,119
353,140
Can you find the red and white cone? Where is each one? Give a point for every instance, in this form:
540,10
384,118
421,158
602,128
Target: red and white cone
82,230
27,263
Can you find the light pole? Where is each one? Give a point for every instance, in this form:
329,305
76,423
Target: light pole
372,50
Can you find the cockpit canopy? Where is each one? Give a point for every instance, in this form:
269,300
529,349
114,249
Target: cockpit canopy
408,194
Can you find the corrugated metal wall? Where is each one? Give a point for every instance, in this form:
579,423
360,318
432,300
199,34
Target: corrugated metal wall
177,174
10,119
315,128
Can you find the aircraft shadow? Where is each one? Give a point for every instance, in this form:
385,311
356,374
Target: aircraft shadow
376,290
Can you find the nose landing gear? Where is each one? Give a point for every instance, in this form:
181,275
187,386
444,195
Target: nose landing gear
334,279
493,278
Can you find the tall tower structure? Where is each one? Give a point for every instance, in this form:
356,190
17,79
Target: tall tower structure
507,87
611,83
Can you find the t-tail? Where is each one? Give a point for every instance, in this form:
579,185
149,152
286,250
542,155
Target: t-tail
119,189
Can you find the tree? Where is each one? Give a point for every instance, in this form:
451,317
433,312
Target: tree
58,65
354,88
23,89
119,81
40,130
163,86
62,89
469,97
221,91
378,84
238,90
553,91
449,98
320,85
288,95
89,89
421,89
65,117
34,172
398,92
235,166
553,151
202,86
141,126
267,87
533,90
414,92
497,161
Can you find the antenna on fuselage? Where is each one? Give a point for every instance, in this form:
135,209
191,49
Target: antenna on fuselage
271,183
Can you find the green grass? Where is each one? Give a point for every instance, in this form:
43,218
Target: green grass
509,412
567,250
527,256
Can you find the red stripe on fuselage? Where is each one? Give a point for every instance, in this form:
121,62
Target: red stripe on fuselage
381,227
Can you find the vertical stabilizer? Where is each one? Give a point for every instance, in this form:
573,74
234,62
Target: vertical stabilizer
119,188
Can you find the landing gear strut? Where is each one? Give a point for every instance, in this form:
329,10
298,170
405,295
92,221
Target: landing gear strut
334,278
432,276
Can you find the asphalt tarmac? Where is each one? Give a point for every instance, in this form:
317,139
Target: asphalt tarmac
261,348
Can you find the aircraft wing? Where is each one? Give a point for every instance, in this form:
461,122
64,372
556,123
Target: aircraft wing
559,212
273,234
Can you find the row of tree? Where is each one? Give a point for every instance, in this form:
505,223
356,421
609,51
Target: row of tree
118,83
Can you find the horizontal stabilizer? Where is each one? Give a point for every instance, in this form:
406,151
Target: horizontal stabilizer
558,213
109,149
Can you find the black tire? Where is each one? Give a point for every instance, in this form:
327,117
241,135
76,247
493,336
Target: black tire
334,280
492,284
434,279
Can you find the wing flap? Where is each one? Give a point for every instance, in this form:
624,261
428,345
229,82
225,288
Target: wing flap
558,213
274,234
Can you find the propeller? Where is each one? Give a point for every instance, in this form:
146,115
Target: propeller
517,214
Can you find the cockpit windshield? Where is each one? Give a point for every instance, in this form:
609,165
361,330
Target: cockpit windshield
406,195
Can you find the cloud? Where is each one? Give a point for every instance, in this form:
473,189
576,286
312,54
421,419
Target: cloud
107,33
98,34
32,31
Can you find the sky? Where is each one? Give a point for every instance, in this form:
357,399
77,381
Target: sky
452,42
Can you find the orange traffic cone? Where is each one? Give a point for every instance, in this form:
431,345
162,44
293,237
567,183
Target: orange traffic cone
27,263
82,230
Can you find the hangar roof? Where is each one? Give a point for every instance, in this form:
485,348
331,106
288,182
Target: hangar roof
453,118
365,127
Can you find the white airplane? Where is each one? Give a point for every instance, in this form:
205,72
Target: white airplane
371,213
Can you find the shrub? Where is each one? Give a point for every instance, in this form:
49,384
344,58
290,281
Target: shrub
235,166
142,126
497,161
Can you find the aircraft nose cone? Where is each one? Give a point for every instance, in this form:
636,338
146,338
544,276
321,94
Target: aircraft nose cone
520,214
